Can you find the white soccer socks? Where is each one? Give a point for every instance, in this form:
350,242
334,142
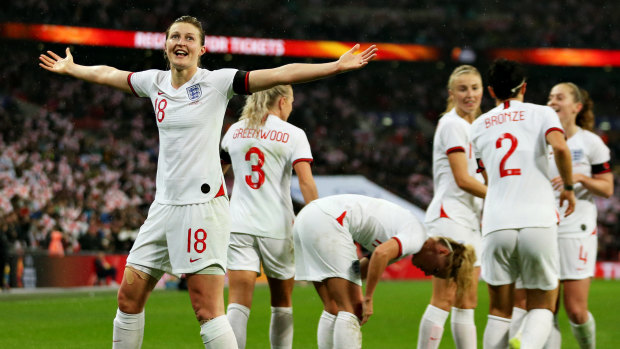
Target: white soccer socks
536,328
347,333
281,328
585,333
238,316
518,314
325,331
431,327
496,333
217,334
128,330
555,336
463,328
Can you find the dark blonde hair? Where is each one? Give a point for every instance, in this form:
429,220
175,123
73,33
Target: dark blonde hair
190,20
458,71
257,105
460,264
585,117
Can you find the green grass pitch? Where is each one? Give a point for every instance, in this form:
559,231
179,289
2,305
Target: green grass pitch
84,319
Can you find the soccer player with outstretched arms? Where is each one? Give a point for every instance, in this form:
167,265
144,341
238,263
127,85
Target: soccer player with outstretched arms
188,225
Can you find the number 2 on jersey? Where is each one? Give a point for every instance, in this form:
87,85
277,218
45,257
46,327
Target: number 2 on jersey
255,168
503,172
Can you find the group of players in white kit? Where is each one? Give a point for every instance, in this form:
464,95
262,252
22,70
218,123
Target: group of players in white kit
539,217
188,226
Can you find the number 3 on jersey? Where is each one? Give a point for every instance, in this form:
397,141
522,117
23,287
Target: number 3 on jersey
256,167
503,172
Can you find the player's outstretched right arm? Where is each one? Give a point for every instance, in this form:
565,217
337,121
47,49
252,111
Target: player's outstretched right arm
98,74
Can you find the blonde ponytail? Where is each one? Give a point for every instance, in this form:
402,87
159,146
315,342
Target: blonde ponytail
258,104
461,264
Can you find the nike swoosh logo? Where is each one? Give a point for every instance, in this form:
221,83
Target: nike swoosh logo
160,93
433,338
191,260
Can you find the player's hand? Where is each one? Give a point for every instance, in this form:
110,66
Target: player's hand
569,196
55,63
558,183
349,60
366,310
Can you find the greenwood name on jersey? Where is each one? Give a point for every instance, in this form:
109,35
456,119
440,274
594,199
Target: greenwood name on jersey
263,161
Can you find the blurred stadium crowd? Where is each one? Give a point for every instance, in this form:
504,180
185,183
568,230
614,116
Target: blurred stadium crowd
446,23
80,159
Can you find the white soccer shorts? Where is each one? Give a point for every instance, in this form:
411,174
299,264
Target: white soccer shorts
577,257
531,253
182,239
457,232
323,248
246,252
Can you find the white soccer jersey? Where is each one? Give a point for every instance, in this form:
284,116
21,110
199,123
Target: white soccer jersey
372,221
510,141
450,201
590,156
189,120
263,160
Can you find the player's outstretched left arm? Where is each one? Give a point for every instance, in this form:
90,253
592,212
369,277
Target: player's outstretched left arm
379,260
98,74
303,72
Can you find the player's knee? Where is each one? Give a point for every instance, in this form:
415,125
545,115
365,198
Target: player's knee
283,303
281,299
467,301
577,313
204,315
442,303
128,304
131,298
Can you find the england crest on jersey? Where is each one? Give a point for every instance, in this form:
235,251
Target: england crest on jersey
194,92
